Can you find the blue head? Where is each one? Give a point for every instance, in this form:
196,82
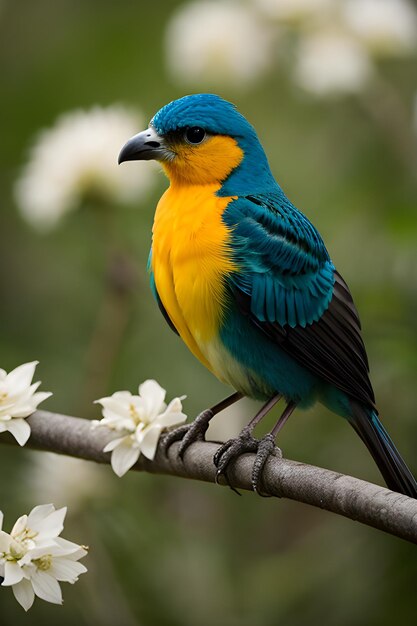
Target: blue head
202,139
217,115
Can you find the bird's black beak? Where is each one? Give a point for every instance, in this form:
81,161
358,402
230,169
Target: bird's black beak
144,146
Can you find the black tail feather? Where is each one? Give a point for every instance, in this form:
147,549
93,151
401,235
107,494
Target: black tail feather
391,465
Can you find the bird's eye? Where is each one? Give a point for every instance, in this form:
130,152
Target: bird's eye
195,134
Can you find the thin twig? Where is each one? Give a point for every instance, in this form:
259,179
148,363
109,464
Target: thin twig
353,498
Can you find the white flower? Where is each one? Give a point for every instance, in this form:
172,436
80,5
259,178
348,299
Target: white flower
294,10
139,419
76,160
385,26
214,44
33,558
18,400
37,529
332,62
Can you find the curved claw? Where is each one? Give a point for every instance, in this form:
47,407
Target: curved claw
266,448
189,433
190,437
171,437
221,450
217,477
233,448
230,450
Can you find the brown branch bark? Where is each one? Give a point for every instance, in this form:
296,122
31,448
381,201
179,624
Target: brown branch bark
353,498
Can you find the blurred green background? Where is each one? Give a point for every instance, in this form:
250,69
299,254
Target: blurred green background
166,551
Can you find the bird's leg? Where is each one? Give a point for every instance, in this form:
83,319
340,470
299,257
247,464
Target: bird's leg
266,447
196,431
245,442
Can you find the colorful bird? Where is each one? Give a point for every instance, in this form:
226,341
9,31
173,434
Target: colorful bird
246,281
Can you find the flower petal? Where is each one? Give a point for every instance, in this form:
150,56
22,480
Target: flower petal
13,573
116,421
121,396
66,570
24,594
40,396
18,410
150,441
166,420
154,396
175,406
70,549
34,387
5,540
46,587
118,402
50,526
39,513
113,444
20,430
19,525
123,458
21,376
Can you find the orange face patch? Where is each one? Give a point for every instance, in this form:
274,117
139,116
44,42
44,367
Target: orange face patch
209,162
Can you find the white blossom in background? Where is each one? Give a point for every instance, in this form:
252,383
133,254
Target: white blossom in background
295,10
218,44
75,481
77,159
139,421
332,62
34,559
386,27
19,398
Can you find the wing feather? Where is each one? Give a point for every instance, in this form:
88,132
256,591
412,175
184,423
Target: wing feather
289,288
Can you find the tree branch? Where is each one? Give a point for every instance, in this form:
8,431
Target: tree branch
353,498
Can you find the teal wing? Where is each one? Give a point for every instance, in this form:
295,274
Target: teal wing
288,287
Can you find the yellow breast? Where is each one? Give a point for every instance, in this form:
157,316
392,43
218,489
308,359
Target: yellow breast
190,260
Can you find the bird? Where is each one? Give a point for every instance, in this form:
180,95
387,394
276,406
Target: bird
246,281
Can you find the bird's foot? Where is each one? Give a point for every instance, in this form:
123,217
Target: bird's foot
188,433
233,448
230,450
266,448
